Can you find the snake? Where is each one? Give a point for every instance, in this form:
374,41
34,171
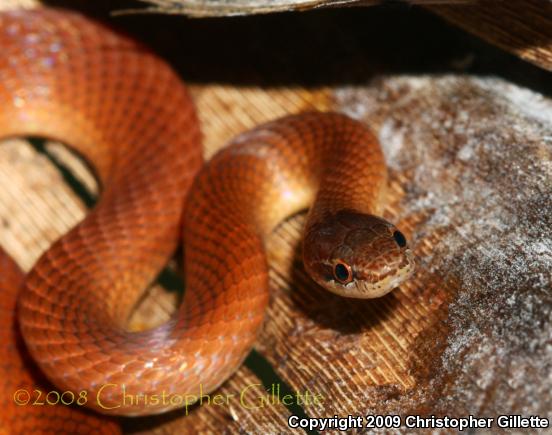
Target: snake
126,112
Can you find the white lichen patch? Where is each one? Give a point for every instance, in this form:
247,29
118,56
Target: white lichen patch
478,155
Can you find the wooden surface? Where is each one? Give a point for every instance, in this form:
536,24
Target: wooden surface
470,184
522,27
221,8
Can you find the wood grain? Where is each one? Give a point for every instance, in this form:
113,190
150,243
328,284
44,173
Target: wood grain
522,27
225,8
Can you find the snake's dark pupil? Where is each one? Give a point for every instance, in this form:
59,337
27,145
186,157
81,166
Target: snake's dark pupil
341,272
399,238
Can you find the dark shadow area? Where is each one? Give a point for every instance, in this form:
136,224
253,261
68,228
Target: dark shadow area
259,365
324,47
172,280
88,198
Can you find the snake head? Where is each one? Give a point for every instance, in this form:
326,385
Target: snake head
356,255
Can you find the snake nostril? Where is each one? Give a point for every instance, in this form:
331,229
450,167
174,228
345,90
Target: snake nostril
399,238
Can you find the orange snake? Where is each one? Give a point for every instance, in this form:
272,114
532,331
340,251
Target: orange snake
127,113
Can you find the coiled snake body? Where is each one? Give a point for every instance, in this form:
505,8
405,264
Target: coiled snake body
125,111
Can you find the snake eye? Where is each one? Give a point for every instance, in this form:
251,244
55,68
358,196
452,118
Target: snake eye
343,273
399,238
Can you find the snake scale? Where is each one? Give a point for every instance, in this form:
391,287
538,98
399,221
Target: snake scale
126,112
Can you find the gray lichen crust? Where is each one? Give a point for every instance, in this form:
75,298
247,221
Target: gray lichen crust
478,157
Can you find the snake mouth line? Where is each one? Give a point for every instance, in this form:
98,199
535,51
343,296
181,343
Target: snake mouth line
361,289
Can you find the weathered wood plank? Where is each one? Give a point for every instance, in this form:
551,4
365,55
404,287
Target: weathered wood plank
222,8
522,27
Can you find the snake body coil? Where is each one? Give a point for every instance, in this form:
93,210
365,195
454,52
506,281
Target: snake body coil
127,113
